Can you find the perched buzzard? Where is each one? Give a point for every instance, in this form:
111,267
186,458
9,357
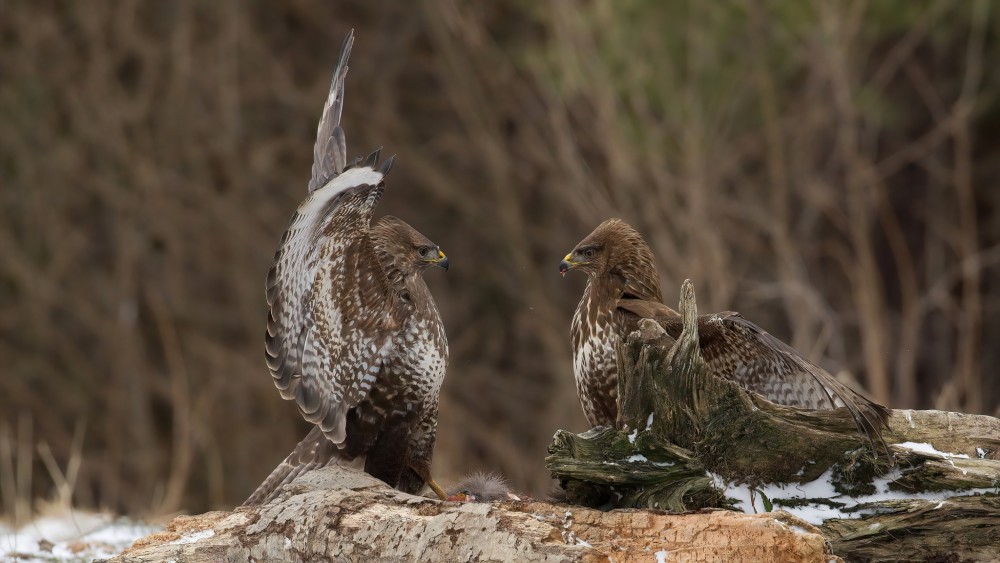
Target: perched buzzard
624,287
353,334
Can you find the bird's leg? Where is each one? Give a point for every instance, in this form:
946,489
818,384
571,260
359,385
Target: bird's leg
423,470
437,489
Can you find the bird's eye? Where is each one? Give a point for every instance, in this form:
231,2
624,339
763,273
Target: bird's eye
589,253
426,252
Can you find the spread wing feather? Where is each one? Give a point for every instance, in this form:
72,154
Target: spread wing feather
743,352
330,150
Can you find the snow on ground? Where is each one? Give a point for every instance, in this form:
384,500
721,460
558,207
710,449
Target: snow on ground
750,500
71,536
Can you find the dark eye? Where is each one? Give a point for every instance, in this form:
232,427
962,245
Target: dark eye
426,252
589,253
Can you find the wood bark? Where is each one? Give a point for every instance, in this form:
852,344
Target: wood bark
681,430
336,514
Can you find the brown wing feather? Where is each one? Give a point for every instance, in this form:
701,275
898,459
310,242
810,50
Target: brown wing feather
806,376
741,351
645,309
330,150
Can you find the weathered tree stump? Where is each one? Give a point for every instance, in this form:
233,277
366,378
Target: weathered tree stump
687,439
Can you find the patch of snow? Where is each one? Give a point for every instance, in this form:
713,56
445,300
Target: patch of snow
925,448
819,493
194,537
649,421
661,556
70,536
636,458
632,436
581,541
939,505
567,522
909,418
981,453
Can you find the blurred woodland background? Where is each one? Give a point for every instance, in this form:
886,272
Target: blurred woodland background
827,168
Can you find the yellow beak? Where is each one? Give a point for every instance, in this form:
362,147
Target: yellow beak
567,264
441,261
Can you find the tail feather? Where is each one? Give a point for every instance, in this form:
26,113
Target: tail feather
313,452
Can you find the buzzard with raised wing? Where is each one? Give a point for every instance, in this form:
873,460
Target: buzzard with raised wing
623,287
353,334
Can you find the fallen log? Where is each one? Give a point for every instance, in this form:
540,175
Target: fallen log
689,440
336,514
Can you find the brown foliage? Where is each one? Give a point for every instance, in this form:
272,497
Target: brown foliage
827,172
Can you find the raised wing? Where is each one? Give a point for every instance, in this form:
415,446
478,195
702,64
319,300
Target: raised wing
330,314
330,151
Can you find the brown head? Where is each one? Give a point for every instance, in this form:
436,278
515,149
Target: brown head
405,249
616,252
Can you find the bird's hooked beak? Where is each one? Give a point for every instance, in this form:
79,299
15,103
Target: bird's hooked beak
567,264
441,261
